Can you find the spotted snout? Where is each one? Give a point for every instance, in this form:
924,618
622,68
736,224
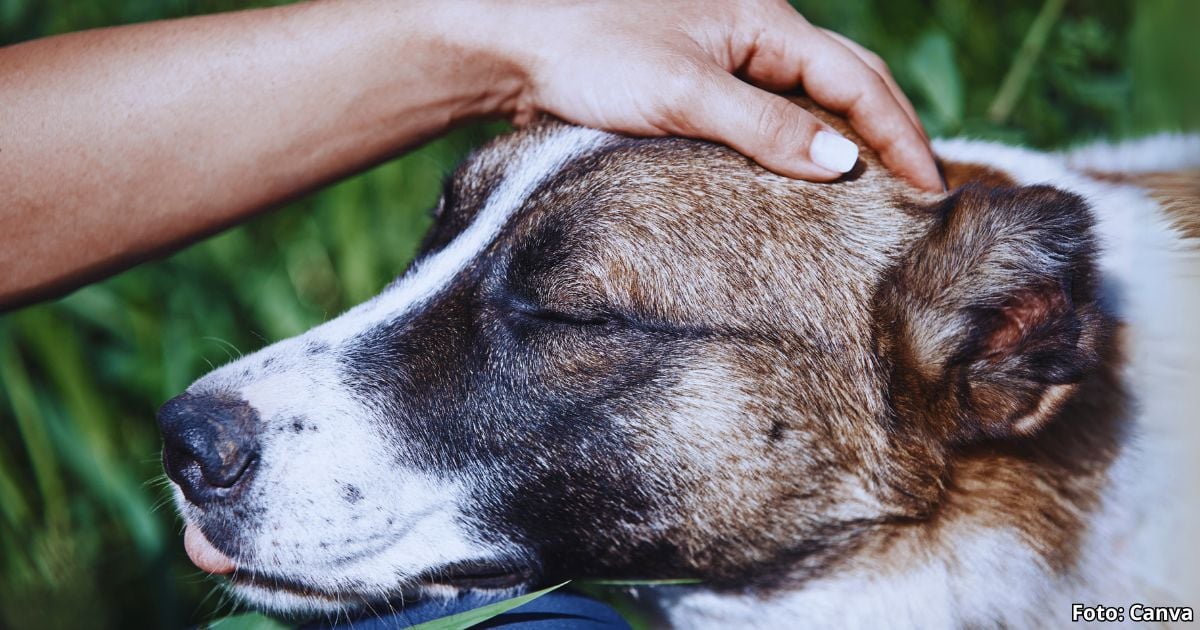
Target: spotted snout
210,445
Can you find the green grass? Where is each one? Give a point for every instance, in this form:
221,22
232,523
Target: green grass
85,538
463,620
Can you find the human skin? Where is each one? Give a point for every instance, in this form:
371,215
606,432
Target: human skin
123,143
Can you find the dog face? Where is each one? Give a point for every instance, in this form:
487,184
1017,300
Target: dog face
637,358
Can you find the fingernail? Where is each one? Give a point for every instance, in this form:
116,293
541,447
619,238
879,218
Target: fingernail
831,151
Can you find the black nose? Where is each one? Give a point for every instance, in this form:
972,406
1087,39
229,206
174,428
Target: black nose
209,444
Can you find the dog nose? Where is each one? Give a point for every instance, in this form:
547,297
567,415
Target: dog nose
209,444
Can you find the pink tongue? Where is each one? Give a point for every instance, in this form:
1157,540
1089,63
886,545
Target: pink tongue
203,553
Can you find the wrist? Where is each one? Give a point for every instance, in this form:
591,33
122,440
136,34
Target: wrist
483,61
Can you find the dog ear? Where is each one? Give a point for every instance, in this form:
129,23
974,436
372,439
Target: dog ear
990,320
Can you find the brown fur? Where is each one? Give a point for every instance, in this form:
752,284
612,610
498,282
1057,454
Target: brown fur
651,253
1046,486
1177,191
667,362
959,174
787,359
1179,194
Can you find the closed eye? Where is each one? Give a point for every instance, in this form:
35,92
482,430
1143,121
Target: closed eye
557,317
530,310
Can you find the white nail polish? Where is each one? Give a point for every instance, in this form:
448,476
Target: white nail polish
833,152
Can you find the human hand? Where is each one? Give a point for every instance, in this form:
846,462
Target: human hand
668,68
296,96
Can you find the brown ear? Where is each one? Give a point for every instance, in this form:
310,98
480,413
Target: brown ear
990,320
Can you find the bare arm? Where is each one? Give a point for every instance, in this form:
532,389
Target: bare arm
117,144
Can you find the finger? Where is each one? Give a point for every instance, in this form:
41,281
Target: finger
839,80
876,63
836,78
767,128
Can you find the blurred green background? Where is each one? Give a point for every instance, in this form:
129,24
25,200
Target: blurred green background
87,537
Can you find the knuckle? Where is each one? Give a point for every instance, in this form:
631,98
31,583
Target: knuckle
875,93
876,62
777,121
895,138
677,95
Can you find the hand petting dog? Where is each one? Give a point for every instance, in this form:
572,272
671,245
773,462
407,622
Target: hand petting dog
122,143
681,68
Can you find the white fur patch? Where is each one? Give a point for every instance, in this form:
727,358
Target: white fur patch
331,507
1140,545
405,521
431,276
949,588
1157,153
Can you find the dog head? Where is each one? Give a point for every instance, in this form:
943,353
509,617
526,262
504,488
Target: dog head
638,358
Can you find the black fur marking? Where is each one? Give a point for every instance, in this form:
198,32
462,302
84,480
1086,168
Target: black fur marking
559,411
532,407
351,494
775,433
462,198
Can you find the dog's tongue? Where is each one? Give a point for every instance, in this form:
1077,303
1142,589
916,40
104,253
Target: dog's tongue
203,553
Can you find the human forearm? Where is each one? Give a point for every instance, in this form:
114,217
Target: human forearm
121,142
118,143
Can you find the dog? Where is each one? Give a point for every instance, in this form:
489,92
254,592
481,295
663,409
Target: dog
846,404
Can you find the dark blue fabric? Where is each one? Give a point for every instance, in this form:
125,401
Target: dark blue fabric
553,611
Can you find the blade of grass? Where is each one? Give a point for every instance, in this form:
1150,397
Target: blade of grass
250,621
116,487
13,505
86,431
14,561
32,427
672,582
1027,56
464,620
354,256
